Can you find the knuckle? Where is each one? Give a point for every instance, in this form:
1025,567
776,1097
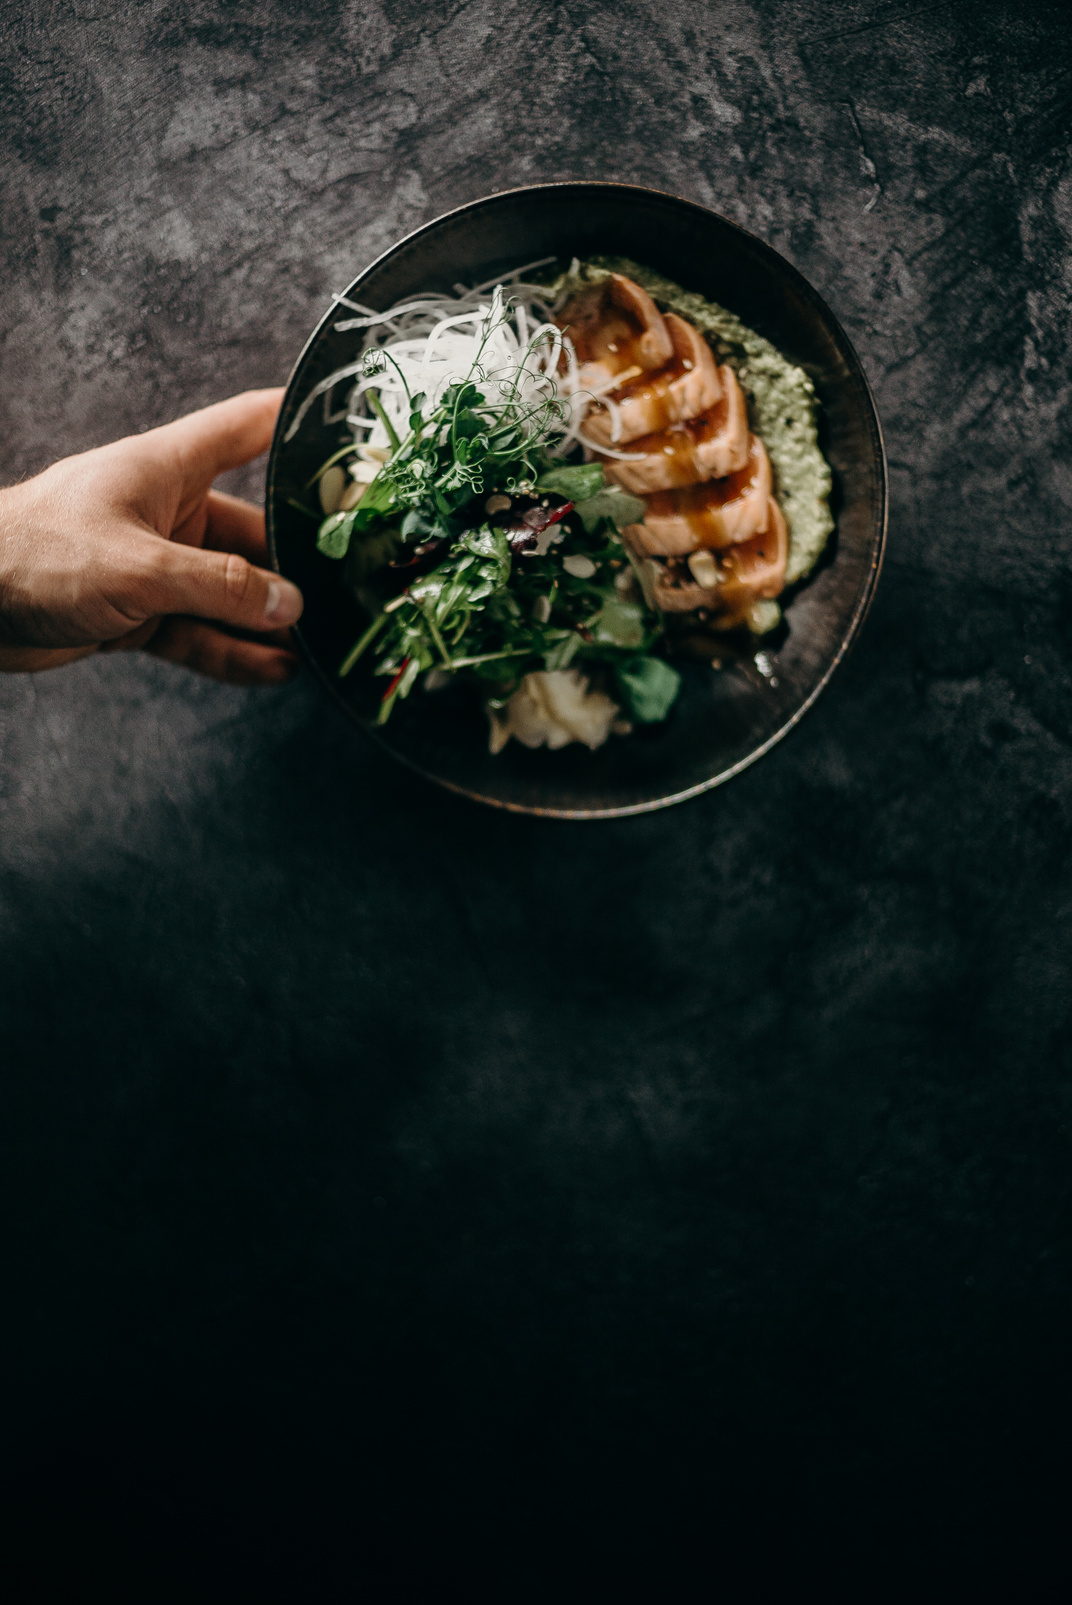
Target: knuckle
237,578
156,558
147,573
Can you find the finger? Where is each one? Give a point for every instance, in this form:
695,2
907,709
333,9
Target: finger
235,526
211,585
283,638
226,435
133,639
212,652
140,637
31,659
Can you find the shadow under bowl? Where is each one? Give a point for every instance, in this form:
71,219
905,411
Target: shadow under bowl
724,719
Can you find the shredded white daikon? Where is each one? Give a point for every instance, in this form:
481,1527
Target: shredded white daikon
504,340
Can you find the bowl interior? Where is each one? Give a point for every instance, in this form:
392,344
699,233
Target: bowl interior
723,719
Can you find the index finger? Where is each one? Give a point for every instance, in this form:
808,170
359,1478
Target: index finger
226,435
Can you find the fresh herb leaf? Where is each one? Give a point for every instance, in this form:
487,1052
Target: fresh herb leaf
577,482
417,527
381,498
613,503
649,687
619,623
333,536
499,600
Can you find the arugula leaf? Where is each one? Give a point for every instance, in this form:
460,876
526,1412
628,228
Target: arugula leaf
432,615
649,687
576,482
492,550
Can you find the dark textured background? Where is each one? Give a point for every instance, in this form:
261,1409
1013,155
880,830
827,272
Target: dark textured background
395,1189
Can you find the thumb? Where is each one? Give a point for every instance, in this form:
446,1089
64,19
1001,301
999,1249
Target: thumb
225,435
215,585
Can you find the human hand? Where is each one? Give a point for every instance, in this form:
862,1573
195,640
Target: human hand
129,546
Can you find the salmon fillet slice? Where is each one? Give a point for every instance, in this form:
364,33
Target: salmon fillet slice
708,447
616,328
714,515
752,572
647,404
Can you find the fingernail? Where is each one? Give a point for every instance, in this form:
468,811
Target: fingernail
283,604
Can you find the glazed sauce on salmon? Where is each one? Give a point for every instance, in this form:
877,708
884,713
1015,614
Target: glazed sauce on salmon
613,340
699,506
712,423
655,395
678,444
617,330
678,441
755,570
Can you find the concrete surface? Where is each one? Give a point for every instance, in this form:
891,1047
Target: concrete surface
395,1184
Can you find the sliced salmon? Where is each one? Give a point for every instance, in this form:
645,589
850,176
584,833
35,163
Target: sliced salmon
751,572
647,404
616,328
708,447
755,571
719,513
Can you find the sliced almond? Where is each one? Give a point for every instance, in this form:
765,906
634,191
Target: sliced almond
581,567
703,568
330,488
351,496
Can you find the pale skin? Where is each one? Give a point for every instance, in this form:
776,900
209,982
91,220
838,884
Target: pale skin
128,546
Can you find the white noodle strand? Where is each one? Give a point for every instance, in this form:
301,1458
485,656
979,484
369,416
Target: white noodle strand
506,343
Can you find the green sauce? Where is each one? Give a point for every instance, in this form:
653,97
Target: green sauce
782,404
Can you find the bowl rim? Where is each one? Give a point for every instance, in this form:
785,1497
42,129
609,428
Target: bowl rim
867,589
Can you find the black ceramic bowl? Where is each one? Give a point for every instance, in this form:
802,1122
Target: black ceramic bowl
723,720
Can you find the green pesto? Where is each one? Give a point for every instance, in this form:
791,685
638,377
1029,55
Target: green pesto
781,402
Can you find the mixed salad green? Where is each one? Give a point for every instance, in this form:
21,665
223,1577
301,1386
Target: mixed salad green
474,553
